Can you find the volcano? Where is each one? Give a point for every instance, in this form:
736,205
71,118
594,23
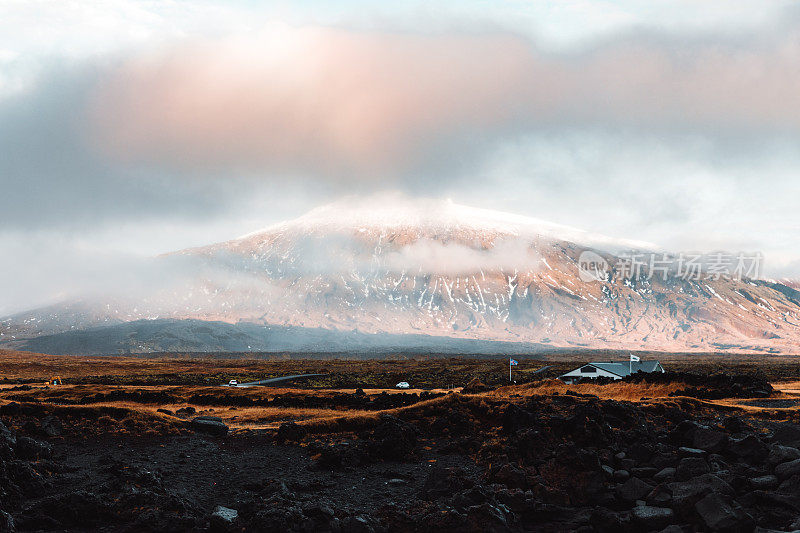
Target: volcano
394,273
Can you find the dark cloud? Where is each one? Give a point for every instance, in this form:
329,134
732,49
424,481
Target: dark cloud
375,106
50,177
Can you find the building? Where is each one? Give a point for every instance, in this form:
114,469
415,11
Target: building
611,369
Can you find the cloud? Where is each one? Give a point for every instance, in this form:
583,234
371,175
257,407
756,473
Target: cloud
310,99
454,259
379,104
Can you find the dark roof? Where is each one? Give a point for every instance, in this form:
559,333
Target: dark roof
626,368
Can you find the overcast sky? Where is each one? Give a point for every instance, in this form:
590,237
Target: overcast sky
129,129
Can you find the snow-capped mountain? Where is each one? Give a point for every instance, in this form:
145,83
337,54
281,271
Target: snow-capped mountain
389,267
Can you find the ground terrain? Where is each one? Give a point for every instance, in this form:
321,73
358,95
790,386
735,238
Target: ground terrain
155,443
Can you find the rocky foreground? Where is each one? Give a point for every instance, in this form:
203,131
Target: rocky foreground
504,460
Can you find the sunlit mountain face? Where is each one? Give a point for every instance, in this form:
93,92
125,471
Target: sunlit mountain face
399,272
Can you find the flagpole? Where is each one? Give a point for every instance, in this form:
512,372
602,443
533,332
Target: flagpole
509,370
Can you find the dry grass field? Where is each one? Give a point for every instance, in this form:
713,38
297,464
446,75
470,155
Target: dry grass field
175,388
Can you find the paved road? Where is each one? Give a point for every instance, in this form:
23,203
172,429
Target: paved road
275,380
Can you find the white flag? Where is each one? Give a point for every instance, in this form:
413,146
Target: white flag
635,358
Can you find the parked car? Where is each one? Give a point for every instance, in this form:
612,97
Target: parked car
403,385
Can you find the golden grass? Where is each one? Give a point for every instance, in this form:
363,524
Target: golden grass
788,387
610,391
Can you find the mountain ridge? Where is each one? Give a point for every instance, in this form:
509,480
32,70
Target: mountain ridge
443,271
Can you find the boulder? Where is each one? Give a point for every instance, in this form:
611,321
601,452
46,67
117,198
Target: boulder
644,471
621,475
764,482
791,486
782,454
686,493
724,514
223,518
750,448
787,434
209,424
605,521
665,474
633,489
684,451
290,431
710,440
788,469
647,518
690,467
661,496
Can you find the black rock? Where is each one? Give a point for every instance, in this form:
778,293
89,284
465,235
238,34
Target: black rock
445,482
516,418
633,489
510,476
644,471
665,474
51,427
70,510
733,424
6,436
6,523
209,424
605,520
764,482
788,469
791,486
393,439
648,518
30,449
621,475
661,496
690,467
686,493
782,454
356,524
787,434
750,448
710,440
223,519
290,431
685,451
724,514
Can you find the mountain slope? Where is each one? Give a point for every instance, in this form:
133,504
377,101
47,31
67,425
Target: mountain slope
440,270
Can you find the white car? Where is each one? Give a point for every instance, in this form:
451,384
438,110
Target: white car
403,385
233,383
